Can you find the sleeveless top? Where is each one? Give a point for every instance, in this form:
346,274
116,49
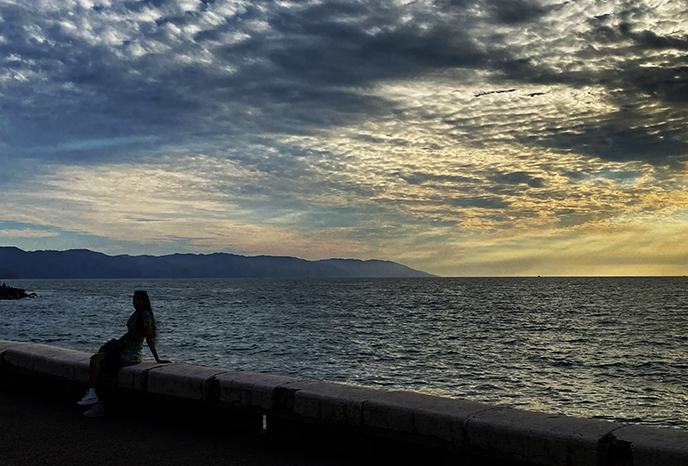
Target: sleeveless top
133,342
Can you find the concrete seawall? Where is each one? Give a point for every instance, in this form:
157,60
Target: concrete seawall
410,425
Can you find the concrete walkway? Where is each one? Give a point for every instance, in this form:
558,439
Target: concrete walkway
36,431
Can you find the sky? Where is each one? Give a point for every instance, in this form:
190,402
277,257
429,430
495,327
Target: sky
458,137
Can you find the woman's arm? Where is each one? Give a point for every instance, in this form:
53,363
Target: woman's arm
151,345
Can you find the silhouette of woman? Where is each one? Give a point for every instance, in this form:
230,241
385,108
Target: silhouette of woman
126,351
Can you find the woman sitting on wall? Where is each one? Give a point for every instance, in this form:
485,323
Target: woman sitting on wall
126,351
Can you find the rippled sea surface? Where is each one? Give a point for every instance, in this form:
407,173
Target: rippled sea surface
608,348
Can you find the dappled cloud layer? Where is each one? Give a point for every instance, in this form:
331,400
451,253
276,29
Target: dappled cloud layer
495,137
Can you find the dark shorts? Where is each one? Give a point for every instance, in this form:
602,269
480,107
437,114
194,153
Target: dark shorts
112,350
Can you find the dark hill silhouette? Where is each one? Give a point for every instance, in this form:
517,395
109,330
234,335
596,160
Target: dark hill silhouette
83,263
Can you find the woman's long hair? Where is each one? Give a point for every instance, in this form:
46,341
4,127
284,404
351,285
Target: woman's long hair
153,329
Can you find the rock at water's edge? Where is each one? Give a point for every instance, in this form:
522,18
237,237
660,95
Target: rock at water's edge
8,292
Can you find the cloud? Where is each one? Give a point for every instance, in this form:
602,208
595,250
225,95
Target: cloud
607,141
153,70
25,233
355,123
516,178
484,202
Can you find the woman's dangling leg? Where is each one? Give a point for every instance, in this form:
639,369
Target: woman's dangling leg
95,370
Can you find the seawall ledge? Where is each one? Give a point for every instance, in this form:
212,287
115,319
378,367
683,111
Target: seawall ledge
457,431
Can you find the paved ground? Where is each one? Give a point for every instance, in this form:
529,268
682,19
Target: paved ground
37,431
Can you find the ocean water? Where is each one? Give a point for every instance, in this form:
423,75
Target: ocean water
605,348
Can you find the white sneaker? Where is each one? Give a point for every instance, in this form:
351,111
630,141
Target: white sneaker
96,411
88,399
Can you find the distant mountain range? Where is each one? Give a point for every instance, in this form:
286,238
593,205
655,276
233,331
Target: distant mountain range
83,263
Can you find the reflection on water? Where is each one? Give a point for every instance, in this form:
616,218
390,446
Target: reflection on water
610,348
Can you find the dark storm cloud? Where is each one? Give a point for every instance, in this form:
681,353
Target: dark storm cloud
517,178
302,72
480,202
80,91
304,56
619,144
515,11
650,40
421,178
299,68
352,58
666,79
631,64
503,11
